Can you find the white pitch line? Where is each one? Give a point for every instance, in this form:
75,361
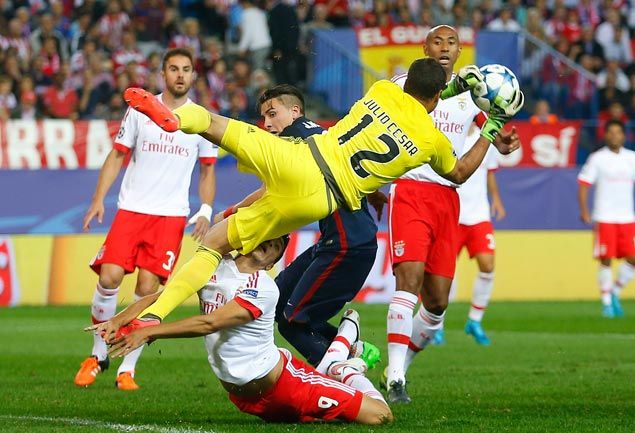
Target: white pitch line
103,424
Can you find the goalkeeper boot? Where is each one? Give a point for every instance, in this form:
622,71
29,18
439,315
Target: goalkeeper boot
397,393
148,104
136,324
617,305
607,311
439,338
366,351
89,370
474,328
125,382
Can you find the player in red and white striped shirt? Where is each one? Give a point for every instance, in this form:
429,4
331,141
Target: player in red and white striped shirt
153,206
612,171
238,307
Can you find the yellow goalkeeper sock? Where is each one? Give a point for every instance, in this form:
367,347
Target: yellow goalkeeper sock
193,119
188,280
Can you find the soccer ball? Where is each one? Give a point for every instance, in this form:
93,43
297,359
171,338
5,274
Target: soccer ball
499,87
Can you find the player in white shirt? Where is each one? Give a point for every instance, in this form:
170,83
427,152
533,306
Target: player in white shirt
238,308
153,207
612,171
476,234
423,221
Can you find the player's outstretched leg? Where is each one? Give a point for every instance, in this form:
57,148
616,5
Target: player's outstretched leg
340,348
351,372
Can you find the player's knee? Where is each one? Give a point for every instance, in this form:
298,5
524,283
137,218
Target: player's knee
409,282
436,305
486,268
145,288
110,280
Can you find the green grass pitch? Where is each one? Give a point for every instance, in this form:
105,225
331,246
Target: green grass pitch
553,367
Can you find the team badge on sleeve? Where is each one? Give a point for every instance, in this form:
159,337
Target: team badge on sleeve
399,248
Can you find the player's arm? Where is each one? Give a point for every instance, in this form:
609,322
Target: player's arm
206,192
497,209
247,201
229,315
583,201
107,175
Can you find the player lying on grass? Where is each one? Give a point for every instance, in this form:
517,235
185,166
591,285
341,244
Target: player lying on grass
238,307
385,134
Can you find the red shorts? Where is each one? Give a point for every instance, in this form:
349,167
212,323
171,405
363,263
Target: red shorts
614,240
137,240
302,395
423,220
477,238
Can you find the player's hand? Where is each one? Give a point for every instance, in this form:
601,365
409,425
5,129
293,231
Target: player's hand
585,216
201,227
96,209
499,116
377,200
498,210
468,78
507,141
127,343
218,217
106,330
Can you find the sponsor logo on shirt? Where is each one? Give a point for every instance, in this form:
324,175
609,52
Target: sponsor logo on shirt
250,292
444,124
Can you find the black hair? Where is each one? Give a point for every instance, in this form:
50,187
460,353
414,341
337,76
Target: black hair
614,122
426,78
185,52
281,91
285,242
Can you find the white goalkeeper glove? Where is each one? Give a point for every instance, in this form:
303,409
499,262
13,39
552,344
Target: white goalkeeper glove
466,79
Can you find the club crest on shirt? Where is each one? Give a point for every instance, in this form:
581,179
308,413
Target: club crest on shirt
399,248
462,103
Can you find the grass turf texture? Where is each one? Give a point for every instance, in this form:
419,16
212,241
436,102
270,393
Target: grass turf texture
553,367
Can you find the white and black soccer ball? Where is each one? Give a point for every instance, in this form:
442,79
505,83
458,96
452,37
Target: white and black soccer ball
499,87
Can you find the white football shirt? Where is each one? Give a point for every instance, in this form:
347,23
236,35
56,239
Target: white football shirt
453,117
613,175
157,179
475,206
244,353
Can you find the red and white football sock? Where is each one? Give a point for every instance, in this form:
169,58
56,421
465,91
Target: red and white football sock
605,280
340,347
424,325
399,326
103,308
361,383
481,295
625,274
130,360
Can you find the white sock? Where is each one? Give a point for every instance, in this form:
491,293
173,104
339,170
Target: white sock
130,360
399,326
361,383
481,295
624,275
340,347
424,325
102,309
605,280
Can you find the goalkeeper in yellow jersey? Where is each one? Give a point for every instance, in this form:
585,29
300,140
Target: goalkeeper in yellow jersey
385,134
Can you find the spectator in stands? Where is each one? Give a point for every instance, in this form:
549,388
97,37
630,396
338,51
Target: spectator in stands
476,19
190,38
615,111
519,12
61,23
128,52
17,40
46,30
79,31
8,102
337,11
213,18
554,86
255,39
357,17
112,25
572,30
27,109
148,25
588,45
505,22
284,28
589,13
583,90
554,26
50,56
12,67
613,71
542,114
318,22
241,72
618,48
237,107
59,102
216,80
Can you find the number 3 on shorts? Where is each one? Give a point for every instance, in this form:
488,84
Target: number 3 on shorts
168,265
326,403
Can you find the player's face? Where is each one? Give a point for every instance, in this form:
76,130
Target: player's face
268,252
442,44
178,75
614,137
277,116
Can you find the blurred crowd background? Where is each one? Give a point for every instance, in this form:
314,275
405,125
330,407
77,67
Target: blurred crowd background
73,58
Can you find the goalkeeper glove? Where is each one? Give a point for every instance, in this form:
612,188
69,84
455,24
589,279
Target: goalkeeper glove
466,79
498,116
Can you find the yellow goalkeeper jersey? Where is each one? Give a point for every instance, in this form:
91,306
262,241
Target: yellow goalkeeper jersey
385,134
